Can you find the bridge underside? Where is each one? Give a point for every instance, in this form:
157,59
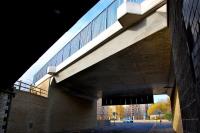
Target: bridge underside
144,68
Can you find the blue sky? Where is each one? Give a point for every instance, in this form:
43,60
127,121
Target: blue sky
160,97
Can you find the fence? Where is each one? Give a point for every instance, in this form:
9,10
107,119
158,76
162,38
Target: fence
21,86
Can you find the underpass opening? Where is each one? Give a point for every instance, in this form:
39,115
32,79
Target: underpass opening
147,116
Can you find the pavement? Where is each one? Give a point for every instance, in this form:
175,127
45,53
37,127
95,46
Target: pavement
136,127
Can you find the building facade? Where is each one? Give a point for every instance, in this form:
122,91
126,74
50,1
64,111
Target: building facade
135,111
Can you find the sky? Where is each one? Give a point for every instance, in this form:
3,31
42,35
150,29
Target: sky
59,44
158,98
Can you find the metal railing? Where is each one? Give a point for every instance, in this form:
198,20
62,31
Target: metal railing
99,24
21,86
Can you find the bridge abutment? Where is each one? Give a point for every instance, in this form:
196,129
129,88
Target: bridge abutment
59,112
67,112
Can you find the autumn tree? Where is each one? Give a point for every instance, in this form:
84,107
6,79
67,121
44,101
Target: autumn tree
120,111
110,110
163,106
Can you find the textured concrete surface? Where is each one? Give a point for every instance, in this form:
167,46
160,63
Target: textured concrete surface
27,113
67,112
142,68
184,20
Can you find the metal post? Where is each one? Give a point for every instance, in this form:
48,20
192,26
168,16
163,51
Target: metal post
20,82
131,112
30,88
40,92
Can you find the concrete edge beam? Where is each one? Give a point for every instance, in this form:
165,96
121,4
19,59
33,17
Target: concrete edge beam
130,13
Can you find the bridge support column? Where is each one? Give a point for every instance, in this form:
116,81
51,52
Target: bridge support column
66,112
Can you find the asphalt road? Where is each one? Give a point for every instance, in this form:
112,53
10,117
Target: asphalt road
136,127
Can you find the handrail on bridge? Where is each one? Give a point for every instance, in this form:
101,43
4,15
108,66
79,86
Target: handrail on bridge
19,85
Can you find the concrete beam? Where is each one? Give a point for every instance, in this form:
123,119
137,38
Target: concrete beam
145,28
130,13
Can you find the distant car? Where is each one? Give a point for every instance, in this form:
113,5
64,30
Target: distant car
127,120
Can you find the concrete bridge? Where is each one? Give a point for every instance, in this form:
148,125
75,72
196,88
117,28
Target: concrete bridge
124,53
130,57
122,56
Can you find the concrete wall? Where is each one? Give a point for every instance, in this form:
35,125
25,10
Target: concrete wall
67,112
59,112
184,22
27,113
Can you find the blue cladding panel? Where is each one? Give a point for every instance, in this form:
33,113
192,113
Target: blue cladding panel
112,9
136,1
59,57
99,24
66,51
52,62
120,2
75,44
85,35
